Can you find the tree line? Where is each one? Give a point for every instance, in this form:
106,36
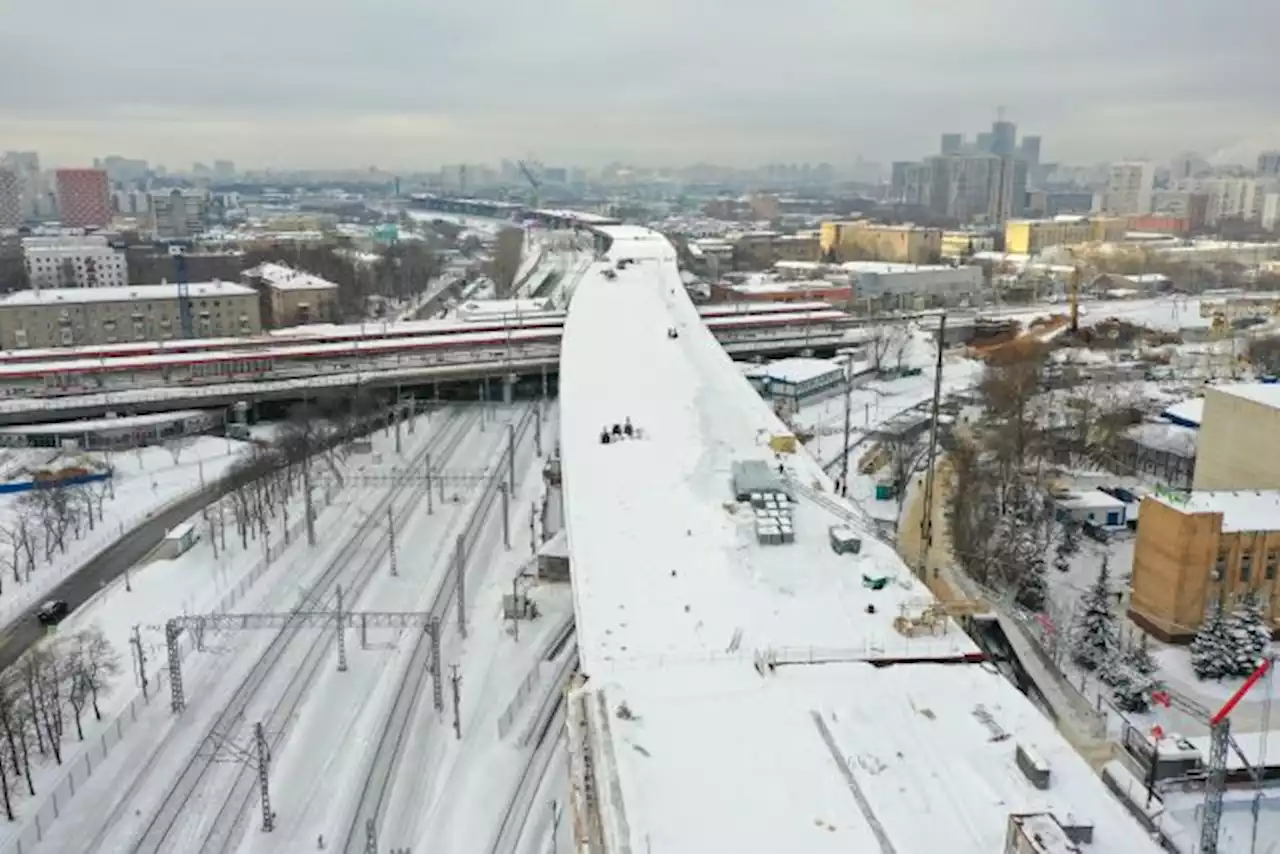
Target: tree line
44,697
43,522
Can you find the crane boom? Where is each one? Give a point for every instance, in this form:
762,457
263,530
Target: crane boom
533,182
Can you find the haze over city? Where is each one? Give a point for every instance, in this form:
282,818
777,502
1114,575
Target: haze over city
409,85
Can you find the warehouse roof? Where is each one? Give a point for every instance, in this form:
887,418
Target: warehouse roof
80,296
285,278
796,370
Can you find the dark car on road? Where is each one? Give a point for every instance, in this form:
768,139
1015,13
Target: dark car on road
52,612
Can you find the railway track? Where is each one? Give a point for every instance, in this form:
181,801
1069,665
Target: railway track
382,768
223,832
547,722
231,715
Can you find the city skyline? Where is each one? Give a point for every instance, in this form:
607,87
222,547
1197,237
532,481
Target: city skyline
412,88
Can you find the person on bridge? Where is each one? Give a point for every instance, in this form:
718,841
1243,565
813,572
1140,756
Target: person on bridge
604,436
627,428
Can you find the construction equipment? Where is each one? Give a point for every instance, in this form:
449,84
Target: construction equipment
184,298
1220,739
533,182
932,619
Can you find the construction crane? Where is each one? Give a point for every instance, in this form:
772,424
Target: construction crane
184,299
1220,742
533,182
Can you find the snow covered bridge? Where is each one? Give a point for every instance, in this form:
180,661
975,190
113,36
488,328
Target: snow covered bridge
742,696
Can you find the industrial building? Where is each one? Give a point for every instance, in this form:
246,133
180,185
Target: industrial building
862,240
889,287
84,261
1214,545
86,316
1236,447
1031,236
290,297
791,382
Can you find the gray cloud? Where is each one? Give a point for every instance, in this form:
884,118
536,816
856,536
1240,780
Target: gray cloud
408,83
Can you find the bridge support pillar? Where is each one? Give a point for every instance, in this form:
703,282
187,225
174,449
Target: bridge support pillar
508,388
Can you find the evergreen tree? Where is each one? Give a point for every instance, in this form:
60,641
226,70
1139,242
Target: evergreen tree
1247,636
1095,635
1138,658
1070,542
1211,648
1062,557
1032,590
1132,691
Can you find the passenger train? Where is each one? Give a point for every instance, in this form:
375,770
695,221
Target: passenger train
217,361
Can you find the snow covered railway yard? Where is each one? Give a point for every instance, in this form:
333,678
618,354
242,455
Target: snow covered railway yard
744,696
188,781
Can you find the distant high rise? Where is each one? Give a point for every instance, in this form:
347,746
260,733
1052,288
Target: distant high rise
1030,151
178,213
1129,188
952,143
985,144
10,199
31,186
123,170
83,199
1004,138
1269,163
224,170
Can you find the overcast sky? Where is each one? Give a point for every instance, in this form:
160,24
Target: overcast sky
413,83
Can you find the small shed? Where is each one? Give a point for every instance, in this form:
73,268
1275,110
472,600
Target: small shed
755,477
553,558
177,541
1094,506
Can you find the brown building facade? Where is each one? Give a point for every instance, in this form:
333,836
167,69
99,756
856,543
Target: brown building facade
1210,546
1236,445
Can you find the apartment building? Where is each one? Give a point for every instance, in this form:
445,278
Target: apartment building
859,240
10,199
1269,163
974,186
963,244
289,297
1129,188
88,316
178,213
1031,236
1208,546
83,198
84,261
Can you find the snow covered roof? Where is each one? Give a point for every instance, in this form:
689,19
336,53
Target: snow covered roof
1241,510
836,759
796,370
79,296
1174,438
284,278
1090,499
130,422
1267,394
886,267
1188,413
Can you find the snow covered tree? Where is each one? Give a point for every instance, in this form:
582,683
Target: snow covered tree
1247,636
1032,590
1211,648
1095,634
1062,557
1132,691
1137,657
1069,544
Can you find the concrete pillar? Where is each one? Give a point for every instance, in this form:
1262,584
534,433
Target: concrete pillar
508,389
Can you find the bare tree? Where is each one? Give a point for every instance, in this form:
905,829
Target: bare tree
906,454
177,445
98,664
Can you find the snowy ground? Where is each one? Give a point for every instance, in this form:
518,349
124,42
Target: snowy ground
145,481
197,580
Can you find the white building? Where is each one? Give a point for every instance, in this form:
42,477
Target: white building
83,261
1129,188
1232,198
908,283
1271,210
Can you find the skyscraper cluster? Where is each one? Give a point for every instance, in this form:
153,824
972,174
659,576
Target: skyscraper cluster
984,180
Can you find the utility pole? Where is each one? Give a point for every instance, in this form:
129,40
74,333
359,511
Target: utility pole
506,516
848,409
264,759
533,530
537,429
391,535
515,605
430,509
456,681
136,640
310,508
511,458
437,679
398,416
342,636
926,520
460,581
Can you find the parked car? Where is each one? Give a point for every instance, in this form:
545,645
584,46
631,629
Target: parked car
53,612
1097,533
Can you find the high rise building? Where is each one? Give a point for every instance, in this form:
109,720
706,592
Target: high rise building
1029,151
1004,138
985,144
224,171
1129,188
31,185
178,213
952,143
123,170
83,199
1269,163
10,199
970,186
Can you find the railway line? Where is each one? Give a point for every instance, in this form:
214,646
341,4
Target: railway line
542,734
382,767
193,779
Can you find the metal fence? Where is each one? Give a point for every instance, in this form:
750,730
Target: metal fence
516,706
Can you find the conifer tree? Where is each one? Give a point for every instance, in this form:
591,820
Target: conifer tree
1211,648
1247,636
1095,635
